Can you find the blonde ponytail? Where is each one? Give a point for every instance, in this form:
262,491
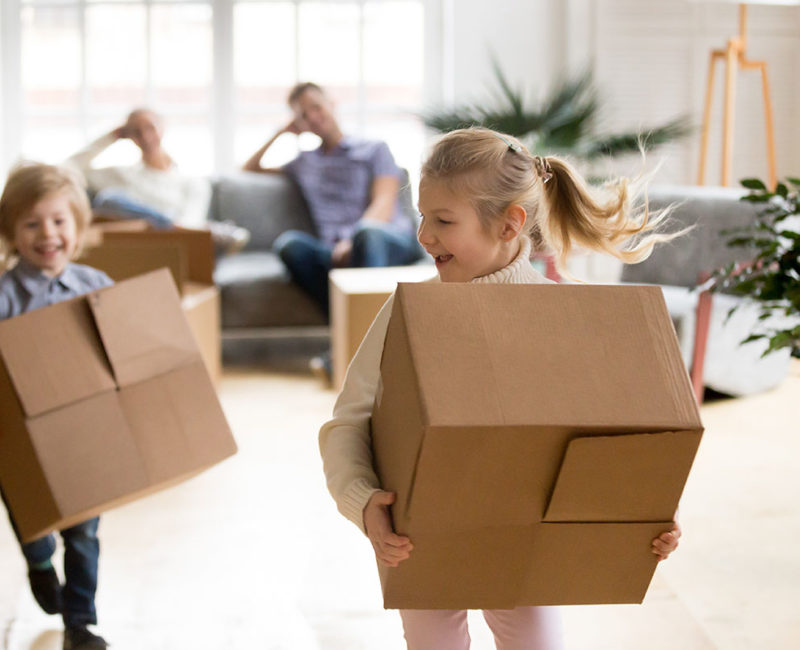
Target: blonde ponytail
574,215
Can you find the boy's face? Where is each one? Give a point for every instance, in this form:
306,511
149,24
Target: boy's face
47,237
453,234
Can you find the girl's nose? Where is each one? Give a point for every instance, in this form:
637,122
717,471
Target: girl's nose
47,228
423,234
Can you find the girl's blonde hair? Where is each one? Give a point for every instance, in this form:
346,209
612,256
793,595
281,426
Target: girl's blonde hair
495,171
29,183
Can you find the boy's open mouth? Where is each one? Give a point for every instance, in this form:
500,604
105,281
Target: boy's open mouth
441,259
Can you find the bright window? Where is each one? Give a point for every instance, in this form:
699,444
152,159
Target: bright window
218,70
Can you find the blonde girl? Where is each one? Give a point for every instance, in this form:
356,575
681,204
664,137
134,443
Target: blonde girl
483,200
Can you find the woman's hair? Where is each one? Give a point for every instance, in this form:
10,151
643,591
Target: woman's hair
29,183
495,171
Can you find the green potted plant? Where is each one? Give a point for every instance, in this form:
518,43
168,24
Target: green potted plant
771,276
563,122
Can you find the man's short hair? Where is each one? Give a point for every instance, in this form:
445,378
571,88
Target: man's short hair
300,88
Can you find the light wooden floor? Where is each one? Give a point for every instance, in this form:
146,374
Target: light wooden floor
253,555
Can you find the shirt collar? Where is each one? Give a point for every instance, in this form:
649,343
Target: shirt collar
347,142
34,280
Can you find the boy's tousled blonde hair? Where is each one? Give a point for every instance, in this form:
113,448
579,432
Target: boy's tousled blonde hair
495,171
29,183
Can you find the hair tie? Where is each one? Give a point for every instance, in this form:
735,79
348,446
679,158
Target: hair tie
543,168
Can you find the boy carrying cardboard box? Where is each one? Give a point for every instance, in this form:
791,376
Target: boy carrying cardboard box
44,214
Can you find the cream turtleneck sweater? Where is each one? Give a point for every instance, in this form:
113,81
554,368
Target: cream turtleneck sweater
344,440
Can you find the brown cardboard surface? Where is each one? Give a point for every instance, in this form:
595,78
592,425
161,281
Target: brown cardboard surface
136,348
196,245
537,436
356,297
76,364
189,255
75,455
201,305
122,260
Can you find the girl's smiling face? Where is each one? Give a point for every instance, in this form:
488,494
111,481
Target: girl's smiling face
453,234
46,237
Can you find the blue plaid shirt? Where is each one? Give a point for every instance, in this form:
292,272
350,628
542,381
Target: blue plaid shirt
337,184
25,287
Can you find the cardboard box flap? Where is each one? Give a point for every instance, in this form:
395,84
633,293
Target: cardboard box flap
489,353
635,478
145,343
53,356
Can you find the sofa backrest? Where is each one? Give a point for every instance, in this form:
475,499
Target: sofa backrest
710,210
265,204
269,204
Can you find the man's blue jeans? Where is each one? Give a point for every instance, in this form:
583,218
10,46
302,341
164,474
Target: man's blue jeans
81,553
309,259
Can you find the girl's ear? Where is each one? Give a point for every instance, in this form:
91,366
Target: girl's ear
513,222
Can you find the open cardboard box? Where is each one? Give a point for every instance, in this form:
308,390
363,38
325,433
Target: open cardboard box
188,254
105,398
538,438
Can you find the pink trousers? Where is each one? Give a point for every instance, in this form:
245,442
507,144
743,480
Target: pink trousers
523,628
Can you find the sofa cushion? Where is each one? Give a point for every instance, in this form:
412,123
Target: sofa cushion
710,210
265,204
256,292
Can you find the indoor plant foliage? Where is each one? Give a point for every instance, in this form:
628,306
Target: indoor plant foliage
772,275
563,122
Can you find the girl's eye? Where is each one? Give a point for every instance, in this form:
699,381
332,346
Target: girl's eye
444,222
58,221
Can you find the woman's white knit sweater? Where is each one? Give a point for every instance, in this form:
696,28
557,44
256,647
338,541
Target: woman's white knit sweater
344,440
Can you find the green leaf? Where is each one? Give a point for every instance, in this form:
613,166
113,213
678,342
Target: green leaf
756,198
753,337
781,190
753,184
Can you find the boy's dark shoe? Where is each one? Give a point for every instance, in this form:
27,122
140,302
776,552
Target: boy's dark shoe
80,638
46,589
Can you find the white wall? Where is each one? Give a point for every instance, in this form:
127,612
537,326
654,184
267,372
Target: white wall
650,59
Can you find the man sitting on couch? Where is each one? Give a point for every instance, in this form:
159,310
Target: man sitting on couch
351,188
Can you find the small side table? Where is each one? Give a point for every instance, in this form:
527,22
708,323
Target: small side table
356,297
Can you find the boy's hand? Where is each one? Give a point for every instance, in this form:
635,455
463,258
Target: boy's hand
666,542
390,548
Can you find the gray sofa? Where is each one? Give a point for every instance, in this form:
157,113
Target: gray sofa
257,296
728,367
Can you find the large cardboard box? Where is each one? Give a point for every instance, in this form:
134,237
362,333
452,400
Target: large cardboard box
104,398
356,297
125,252
537,436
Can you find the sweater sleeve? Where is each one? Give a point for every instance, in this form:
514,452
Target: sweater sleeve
344,441
197,196
82,160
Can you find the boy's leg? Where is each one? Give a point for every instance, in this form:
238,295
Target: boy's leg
308,260
81,553
435,629
42,577
526,628
375,245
